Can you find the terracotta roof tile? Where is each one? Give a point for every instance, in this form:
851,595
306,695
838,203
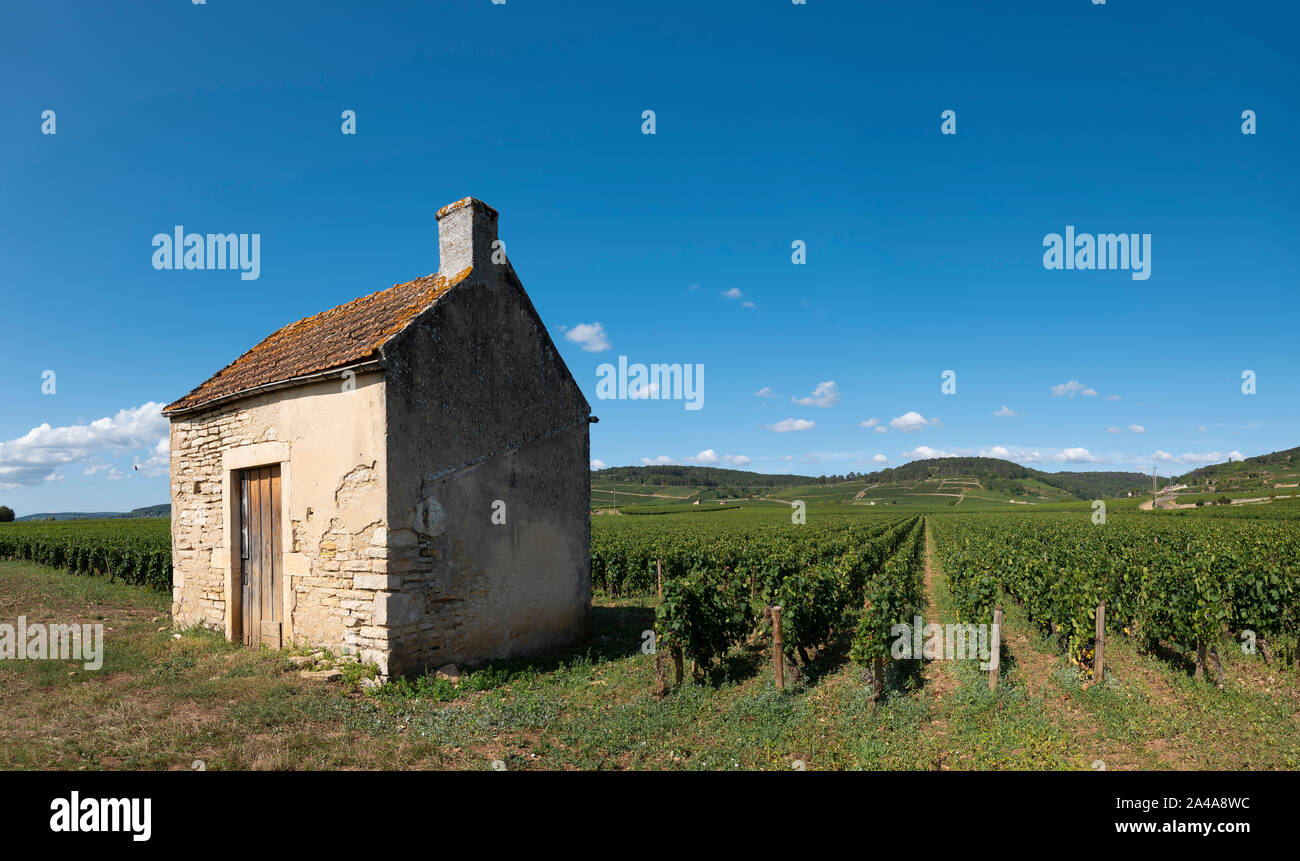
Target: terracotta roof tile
336,338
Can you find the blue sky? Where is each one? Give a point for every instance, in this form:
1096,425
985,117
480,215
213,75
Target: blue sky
775,122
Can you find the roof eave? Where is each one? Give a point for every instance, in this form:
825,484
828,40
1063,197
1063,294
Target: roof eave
366,366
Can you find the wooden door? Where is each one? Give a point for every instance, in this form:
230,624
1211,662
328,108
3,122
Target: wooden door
259,554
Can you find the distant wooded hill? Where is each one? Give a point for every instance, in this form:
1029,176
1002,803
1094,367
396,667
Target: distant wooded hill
694,476
1083,485
164,510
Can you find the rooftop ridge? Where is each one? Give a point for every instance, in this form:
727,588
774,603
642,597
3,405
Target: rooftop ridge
334,338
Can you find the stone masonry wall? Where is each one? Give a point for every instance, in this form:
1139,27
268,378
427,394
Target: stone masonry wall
328,438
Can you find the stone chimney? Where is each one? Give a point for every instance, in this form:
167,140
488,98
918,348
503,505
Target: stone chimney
466,231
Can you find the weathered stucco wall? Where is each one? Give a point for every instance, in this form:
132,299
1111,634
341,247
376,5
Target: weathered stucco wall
328,438
482,410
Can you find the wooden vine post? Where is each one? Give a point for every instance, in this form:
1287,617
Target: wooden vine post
1099,647
659,577
995,655
778,648
1218,666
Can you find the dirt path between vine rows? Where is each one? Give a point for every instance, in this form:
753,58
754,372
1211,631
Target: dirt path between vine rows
937,676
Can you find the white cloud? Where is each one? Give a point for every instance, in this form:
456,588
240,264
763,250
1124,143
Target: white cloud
881,429
636,391
765,392
787,425
733,293
1006,411
912,421
33,457
1198,457
869,423
1200,429
748,304
1071,388
1016,453
825,395
880,458
1113,429
1112,397
1137,428
854,456
924,452
661,460
590,336
597,463
1092,393
159,462
708,457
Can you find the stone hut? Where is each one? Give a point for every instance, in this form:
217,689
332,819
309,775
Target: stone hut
404,477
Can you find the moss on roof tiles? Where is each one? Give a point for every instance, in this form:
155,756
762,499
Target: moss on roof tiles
342,336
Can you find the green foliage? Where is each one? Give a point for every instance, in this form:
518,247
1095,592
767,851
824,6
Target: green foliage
703,613
425,687
134,551
1176,579
6,514
812,602
895,595
719,574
